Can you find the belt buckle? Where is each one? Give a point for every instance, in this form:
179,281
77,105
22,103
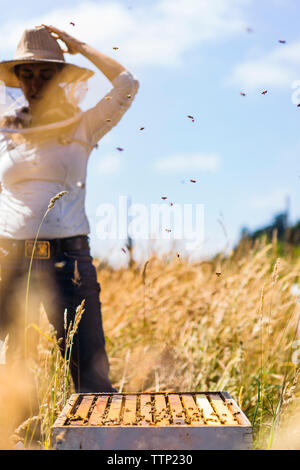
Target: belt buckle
41,251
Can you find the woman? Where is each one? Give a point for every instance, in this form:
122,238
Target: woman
34,167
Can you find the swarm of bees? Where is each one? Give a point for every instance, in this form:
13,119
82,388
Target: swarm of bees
242,93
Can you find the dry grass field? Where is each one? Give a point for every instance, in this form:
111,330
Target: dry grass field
172,325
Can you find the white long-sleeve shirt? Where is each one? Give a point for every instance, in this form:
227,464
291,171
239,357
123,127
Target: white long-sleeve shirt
31,175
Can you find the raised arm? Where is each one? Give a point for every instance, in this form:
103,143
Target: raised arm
110,109
108,66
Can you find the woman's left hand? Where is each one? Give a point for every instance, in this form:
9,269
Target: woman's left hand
72,44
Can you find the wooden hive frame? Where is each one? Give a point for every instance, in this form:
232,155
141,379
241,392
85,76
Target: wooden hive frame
156,421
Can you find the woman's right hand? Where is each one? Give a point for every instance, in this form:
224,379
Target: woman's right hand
72,44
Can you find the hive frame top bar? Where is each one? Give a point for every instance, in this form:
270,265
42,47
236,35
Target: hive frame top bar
152,410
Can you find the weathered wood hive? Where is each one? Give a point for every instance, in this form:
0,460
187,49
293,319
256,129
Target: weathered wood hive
156,421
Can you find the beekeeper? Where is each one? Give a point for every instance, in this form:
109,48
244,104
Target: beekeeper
45,144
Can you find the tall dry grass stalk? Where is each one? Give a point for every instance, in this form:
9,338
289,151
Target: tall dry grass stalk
50,206
26,326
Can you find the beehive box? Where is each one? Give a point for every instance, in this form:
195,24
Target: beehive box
156,421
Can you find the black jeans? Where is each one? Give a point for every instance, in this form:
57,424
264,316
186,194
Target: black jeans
60,283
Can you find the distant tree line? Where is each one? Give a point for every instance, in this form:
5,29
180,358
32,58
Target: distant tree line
289,234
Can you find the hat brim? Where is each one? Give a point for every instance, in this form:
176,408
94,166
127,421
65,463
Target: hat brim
74,72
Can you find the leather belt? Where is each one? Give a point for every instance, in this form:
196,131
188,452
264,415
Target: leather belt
44,249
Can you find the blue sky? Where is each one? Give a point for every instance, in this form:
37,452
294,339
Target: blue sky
191,57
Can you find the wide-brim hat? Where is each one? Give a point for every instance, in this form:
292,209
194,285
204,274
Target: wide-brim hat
38,45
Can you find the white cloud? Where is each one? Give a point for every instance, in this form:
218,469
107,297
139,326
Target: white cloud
155,33
188,162
277,68
273,200
109,165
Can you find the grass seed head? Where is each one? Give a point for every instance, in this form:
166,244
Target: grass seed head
56,198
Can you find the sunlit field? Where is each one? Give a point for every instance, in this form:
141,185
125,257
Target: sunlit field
228,324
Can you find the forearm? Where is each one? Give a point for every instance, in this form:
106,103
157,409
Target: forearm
108,66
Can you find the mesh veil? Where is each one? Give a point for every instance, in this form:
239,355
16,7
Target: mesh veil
56,110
